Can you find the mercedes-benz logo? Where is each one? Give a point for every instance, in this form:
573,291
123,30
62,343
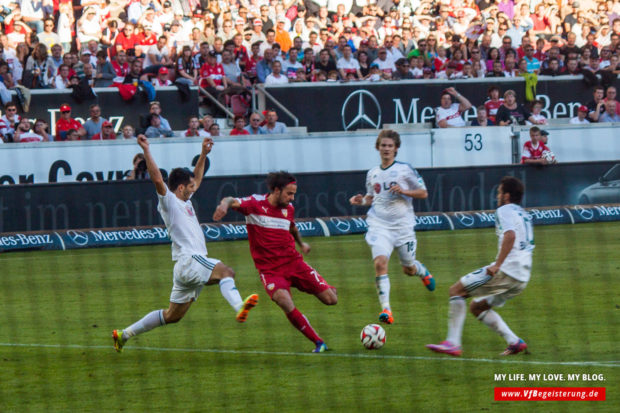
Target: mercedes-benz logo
586,214
78,237
340,224
362,116
211,231
465,219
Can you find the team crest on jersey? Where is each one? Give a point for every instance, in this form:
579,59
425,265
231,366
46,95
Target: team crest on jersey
284,212
377,187
271,286
189,210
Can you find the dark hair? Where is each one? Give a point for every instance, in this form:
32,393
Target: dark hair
514,187
151,117
179,176
278,180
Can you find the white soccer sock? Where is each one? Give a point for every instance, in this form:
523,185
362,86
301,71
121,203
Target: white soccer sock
147,323
383,290
456,320
420,268
230,293
495,322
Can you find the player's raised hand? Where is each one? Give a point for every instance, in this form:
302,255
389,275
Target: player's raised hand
143,142
356,199
207,145
305,248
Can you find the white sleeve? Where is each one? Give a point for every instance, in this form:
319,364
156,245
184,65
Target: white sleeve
414,179
526,152
505,217
165,200
369,189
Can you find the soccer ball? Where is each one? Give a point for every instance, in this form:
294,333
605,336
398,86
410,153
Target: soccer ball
549,156
373,336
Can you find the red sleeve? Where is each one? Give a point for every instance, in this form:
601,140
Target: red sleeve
248,204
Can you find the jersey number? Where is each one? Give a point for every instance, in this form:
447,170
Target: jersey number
529,233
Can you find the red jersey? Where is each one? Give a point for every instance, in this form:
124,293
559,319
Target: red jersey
216,73
62,126
120,70
532,152
126,42
98,136
239,132
271,243
491,107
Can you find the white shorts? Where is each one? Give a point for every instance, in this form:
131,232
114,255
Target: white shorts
495,290
191,273
382,241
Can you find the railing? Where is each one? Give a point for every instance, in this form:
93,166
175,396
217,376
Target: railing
279,105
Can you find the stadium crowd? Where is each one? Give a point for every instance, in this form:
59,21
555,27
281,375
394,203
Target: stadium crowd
227,46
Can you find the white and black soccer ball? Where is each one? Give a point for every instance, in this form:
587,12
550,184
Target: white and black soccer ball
373,336
549,157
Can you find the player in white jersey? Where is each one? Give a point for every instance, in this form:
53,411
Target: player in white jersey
390,189
499,281
193,269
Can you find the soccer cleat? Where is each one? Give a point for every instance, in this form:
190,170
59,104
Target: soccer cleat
321,347
518,347
386,316
445,347
248,304
118,340
428,281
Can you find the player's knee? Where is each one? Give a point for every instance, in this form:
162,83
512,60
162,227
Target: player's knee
477,307
228,273
381,264
454,291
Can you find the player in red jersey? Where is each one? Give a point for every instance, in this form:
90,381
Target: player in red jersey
533,149
272,234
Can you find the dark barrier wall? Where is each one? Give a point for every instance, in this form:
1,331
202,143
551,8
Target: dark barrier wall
412,101
46,105
130,203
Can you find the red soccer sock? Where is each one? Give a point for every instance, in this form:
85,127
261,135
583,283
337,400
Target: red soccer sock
302,324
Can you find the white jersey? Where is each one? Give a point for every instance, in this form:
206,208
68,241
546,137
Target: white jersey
182,224
518,263
392,210
451,115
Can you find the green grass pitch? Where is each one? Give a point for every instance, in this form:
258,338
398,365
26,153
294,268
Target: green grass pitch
59,309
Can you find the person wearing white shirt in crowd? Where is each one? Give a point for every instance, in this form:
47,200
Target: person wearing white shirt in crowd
136,10
62,81
290,65
385,64
162,78
348,64
276,77
158,54
580,119
23,133
448,115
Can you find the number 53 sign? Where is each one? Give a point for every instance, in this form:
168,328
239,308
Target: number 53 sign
471,146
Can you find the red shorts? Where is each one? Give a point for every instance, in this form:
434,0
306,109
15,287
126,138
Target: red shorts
297,274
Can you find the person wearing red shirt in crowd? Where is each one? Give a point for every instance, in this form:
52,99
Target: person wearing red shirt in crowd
107,132
252,61
66,122
212,76
534,148
162,77
126,40
270,221
239,128
120,65
146,37
493,103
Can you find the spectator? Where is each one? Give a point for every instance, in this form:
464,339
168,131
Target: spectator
66,122
139,170
581,118
128,132
403,71
325,62
9,121
158,54
94,124
73,135
239,128
254,127
154,109
186,69
104,71
47,36
553,68
107,132
533,64
448,114
533,149
610,114
282,36
273,126
481,117
511,112
155,129
120,64
62,81
42,128
596,105
290,65
494,102
536,114
162,78
214,130
212,76
348,64
194,130
23,133
39,66
276,77
610,95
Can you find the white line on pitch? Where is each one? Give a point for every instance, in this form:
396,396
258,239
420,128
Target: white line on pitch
604,363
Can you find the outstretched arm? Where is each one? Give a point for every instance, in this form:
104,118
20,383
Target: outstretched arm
199,170
359,199
413,193
222,208
151,166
